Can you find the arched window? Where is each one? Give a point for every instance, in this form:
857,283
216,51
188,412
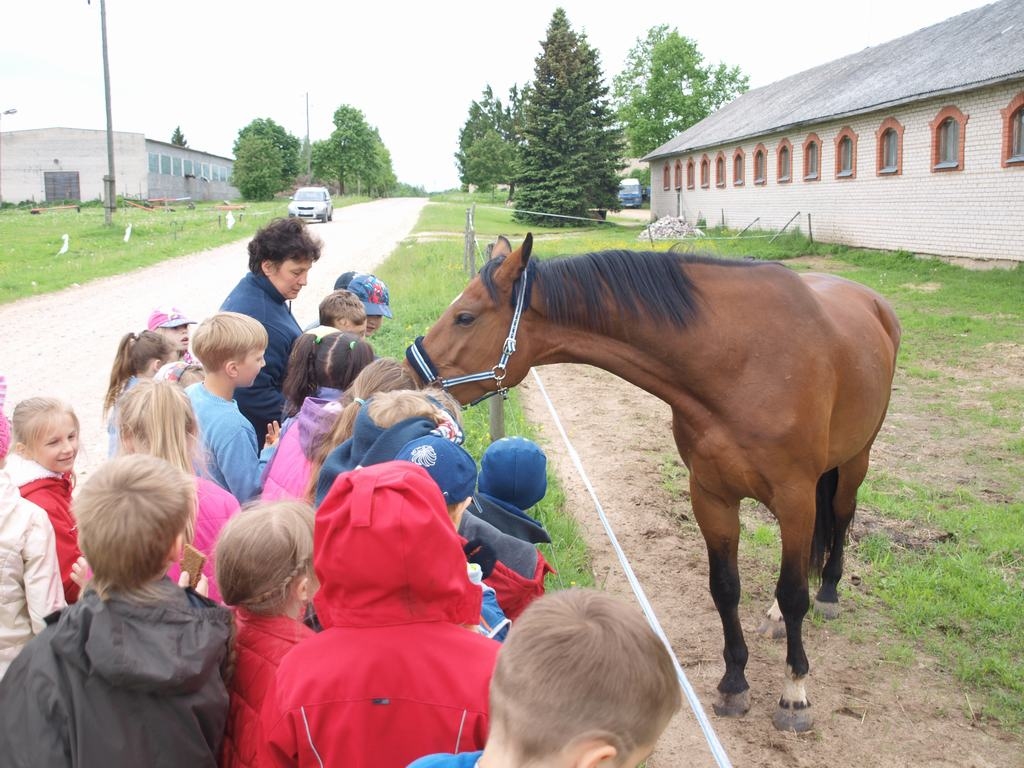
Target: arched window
738,169
689,174
1013,132
720,170
760,165
948,136
812,158
890,148
846,154
705,172
666,176
949,141
784,165
679,174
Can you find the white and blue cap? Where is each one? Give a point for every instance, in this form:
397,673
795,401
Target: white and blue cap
450,465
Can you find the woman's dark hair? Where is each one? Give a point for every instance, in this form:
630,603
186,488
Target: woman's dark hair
280,240
333,360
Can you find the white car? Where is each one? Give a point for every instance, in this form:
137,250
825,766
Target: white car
312,203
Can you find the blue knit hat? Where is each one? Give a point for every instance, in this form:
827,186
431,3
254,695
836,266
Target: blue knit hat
514,470
450,465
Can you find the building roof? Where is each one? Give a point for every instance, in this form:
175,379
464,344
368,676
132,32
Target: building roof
976,48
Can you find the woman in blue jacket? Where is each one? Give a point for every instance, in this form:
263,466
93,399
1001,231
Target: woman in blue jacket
280,256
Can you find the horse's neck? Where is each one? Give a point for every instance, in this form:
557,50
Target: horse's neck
636,356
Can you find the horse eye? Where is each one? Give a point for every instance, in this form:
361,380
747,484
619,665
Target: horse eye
464,318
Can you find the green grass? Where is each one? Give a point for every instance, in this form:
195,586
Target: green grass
29,244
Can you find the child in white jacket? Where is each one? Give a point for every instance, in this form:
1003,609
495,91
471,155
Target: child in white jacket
30,585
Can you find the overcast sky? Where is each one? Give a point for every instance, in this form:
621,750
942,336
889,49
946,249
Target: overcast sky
412,68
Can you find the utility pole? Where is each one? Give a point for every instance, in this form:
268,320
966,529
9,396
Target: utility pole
309,147
10,111
110,201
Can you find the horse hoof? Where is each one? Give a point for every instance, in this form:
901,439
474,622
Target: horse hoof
826,610
732,704
788,719
771,629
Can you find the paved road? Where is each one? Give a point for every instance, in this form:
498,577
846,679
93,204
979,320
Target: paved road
63,344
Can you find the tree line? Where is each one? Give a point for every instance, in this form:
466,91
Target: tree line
558,143
268,159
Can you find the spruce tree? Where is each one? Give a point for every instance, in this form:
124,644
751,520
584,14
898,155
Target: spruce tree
572,145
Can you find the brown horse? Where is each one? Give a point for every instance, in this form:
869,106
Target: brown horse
778,384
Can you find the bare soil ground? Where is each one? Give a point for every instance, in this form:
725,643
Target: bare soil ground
870,711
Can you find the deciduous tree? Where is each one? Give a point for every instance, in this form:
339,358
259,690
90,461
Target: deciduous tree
257,170
284,144
488,117
665,88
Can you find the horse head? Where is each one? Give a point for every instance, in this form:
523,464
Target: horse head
471,348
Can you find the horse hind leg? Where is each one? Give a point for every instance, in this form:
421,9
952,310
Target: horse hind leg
796,526
845,480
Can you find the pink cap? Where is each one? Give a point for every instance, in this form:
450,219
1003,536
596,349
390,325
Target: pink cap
168,318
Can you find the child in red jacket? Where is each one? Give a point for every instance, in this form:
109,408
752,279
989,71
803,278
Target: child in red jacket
395,674
42,466
265,569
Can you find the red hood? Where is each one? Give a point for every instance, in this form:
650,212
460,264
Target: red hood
386,552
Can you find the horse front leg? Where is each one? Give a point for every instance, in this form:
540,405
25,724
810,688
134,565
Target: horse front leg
794,710
720,525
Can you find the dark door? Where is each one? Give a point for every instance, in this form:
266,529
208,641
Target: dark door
61,185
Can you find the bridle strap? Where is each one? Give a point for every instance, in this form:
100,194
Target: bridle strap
420,361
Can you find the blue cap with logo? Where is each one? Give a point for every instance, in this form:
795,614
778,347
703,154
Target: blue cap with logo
373,293
450,465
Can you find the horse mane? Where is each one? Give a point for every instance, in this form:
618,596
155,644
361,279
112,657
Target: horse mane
577,289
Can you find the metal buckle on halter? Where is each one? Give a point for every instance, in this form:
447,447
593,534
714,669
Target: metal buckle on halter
494,372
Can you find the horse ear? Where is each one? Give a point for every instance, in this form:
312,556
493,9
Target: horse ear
526,249
515,263
501,247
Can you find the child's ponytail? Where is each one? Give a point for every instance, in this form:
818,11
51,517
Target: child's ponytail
134,352
332,360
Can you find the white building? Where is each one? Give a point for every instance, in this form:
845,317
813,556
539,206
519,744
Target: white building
54,164
916,144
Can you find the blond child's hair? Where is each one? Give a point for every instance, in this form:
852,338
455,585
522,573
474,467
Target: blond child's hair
156,417
580,664
227,336
130,514
32,416
135,351
340,306
261,553
388,408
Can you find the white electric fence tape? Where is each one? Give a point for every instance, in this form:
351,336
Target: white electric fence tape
717,751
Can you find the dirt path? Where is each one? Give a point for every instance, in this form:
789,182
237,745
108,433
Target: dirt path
869,711
63,344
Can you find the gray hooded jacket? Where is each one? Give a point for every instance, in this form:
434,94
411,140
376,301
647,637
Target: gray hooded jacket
118,683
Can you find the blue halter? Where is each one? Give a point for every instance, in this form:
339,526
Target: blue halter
420,361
